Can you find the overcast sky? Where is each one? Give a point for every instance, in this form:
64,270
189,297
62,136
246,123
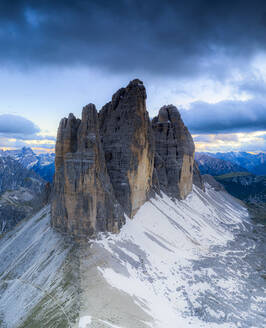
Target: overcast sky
206,57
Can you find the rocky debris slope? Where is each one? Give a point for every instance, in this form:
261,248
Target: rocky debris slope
36,276
249,188
210,180
195,263
21,193
110,163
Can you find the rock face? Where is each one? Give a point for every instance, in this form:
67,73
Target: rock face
83,201
212,182
197,178
128,145
174,153
110,163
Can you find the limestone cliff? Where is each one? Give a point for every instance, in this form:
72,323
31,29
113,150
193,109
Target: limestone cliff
83,200
197,178
174,153
128,145
109,164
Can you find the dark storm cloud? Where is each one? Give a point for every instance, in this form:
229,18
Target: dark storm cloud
225,117
253,85
160,37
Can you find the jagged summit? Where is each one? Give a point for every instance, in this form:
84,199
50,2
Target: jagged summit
108,164
128,145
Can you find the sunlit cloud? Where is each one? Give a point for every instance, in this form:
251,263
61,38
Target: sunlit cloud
251,142
16,132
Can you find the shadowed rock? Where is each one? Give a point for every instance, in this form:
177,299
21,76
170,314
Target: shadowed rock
83,202
106,164
174,153
128,145
212,182
197,178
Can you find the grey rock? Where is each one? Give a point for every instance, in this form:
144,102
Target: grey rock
197,178
128,145
83,201
174,155
106,164
212,182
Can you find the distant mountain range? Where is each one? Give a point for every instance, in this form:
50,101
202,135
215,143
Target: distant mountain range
245,186
215,166
22,192
254,163
209,163
23,189
43,164
242,174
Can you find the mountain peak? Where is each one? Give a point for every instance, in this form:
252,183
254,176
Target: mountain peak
109,163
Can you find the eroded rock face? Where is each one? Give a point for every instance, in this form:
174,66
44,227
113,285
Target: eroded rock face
174,153
128,145
83,201
110,163
197,178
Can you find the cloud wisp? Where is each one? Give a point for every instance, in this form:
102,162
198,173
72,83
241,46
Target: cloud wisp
226,116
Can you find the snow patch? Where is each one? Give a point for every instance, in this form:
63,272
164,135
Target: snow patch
84,322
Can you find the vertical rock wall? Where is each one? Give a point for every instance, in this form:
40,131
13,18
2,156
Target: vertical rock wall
108,164
128,145
197,178
174,157
83,201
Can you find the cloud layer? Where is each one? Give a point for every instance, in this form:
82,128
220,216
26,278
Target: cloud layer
161,37
226,116
252,141
17,131
15,124
168,42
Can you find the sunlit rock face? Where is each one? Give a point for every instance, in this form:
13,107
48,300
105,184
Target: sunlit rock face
174,153
128,145
83,201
